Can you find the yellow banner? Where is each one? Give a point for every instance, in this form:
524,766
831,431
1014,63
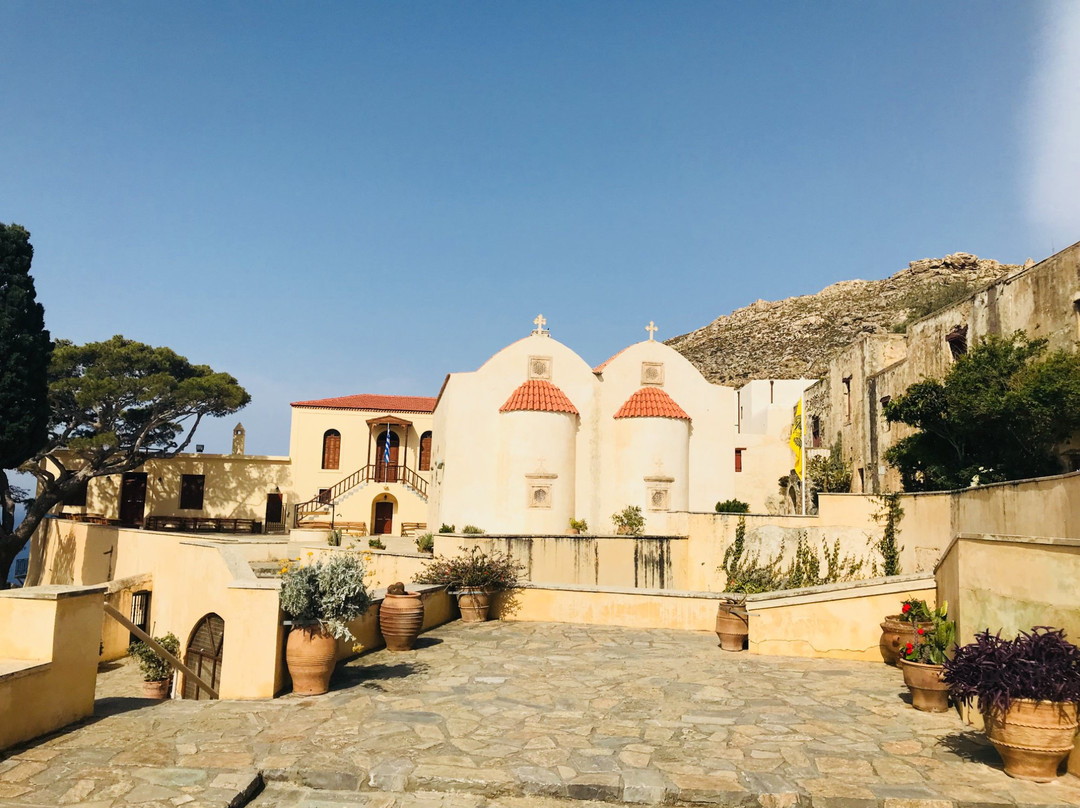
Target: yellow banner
796,439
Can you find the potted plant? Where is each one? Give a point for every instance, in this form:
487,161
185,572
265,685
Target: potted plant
320,600
157,673
629,521
577,526
899,629
1027,690
921,662
401,617
732,623
473,576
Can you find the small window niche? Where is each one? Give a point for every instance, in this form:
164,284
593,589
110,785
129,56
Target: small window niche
957,340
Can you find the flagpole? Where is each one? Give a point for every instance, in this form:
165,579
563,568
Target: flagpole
802,448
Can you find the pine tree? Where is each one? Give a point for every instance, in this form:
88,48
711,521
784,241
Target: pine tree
25,349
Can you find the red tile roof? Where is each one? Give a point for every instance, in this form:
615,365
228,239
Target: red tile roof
600,368
538,396
366,401
651,402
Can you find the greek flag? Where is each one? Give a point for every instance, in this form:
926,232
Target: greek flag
386,447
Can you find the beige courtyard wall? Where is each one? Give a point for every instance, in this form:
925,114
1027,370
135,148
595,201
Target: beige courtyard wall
48,658
1011,583
657,562
840,621
191,578
835,621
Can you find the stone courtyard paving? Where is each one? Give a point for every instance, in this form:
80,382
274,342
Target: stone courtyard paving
508,715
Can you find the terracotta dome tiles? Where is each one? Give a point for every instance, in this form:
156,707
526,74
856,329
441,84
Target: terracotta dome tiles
651,402
538,395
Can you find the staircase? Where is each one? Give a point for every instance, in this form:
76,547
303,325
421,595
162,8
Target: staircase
371,473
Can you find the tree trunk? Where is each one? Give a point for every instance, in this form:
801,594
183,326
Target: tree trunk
12,541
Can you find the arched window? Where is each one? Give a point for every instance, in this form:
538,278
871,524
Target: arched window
331,449
425,452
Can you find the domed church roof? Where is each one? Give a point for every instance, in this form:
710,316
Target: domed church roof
538,395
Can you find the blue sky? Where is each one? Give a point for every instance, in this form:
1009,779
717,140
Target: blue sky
335,198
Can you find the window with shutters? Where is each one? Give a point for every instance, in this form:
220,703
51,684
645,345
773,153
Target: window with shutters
191,492
425,452
331,449
738,459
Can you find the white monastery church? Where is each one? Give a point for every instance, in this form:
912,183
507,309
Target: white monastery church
530,440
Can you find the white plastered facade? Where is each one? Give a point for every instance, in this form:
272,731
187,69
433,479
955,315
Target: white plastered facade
489,465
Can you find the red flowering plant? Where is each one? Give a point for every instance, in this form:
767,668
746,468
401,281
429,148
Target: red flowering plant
935,643
916,611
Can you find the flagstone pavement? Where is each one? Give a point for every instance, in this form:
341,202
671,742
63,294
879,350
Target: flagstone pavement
508,715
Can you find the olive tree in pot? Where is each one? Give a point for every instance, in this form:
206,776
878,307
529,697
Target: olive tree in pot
473,577
1027,690
321,599
157,673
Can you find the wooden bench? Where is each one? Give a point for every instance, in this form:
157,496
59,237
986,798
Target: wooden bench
408,528
203,524
349,528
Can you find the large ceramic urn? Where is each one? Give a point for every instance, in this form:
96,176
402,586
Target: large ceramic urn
310,653
400,619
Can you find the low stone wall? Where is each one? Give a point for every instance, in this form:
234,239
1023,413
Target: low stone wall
837,621
631,562
48,658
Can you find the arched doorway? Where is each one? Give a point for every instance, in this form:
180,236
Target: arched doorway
386,472
204,654
382,515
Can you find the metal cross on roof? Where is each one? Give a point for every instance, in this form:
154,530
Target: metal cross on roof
540,322
652,329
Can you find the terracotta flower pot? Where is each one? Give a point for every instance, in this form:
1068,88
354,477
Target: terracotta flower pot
474,605
400,619
895,634
310,654
157,690
732,627
1033,737
928,692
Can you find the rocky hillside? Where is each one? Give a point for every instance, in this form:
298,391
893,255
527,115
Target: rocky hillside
794,338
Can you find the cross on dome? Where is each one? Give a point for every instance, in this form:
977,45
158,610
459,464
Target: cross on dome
652,329
540,322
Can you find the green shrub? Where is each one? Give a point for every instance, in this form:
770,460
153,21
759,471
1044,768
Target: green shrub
474,569
447,528
425,543
629,521
733,506
579,524
376,543
472,530
154,668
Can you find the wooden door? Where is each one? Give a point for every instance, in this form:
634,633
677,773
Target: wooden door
384,472
132,498
384,518
274,511
204,655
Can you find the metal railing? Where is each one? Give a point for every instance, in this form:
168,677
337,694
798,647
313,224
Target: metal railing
374,473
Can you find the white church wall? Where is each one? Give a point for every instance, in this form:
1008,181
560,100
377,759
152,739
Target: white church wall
536,470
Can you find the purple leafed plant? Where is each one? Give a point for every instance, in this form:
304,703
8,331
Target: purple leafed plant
1040,665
